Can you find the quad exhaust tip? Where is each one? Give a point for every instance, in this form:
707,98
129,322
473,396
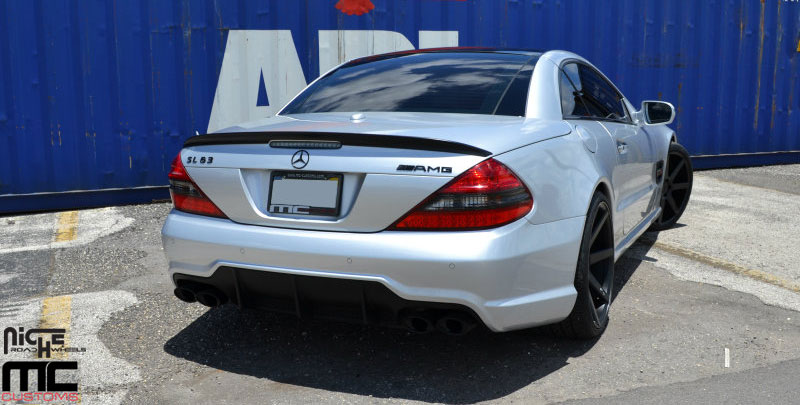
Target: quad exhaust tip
455,324
211,297
452,323
206,295
418,323
185,294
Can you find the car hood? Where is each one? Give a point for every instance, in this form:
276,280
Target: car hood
494,133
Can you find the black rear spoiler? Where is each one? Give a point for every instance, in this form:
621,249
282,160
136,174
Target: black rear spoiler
381,141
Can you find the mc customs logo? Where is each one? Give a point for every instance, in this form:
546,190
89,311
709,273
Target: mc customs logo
49,374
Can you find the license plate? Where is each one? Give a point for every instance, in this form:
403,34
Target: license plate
305,193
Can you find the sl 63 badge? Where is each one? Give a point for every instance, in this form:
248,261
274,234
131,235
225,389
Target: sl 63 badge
202,160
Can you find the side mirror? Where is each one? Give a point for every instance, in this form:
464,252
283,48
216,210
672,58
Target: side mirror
658,112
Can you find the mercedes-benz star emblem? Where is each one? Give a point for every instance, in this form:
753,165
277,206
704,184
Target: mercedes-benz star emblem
300,159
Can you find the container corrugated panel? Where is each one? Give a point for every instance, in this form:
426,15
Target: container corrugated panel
98,96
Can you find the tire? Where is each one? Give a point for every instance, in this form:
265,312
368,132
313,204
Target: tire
594,275
676,187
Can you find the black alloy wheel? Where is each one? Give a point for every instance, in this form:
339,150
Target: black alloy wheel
676,189
594,275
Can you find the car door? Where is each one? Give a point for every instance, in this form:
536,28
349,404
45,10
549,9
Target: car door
632,176
576,114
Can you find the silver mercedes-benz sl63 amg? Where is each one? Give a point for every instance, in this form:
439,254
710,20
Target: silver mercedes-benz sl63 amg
436,189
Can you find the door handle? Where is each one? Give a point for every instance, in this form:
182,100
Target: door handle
622,148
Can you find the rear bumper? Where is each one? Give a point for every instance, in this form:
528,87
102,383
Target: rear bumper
367,302
516,276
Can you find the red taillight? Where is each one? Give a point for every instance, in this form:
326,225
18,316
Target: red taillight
486,196
186,196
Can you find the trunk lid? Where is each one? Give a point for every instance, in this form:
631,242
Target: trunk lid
386,164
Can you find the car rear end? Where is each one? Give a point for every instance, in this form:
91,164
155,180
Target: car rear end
389,221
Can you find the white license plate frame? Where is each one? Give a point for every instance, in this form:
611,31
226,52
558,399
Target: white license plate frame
305,194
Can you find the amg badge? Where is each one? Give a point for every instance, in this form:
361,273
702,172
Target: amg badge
426,169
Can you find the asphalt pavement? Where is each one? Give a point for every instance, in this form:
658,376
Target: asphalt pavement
704,312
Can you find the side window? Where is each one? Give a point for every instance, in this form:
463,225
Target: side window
600,97
584,93
571,71
571,104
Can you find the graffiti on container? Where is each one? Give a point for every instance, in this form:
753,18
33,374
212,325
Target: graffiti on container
355,7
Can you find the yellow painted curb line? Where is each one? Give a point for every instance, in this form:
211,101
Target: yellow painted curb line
57,314
67,226
731,267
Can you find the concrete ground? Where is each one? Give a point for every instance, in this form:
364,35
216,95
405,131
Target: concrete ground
725,280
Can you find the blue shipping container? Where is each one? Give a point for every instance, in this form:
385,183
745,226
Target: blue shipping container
96,96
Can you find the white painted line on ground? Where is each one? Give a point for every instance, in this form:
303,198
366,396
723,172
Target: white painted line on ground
727,358
58,230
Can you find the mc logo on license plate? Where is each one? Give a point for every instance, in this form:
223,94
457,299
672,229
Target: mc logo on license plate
289,209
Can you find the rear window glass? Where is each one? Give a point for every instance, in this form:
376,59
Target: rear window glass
442,82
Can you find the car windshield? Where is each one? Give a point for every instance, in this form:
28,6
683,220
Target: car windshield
441,82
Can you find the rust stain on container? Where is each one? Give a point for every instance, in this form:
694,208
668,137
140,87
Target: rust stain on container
760,64
776,63
741,26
